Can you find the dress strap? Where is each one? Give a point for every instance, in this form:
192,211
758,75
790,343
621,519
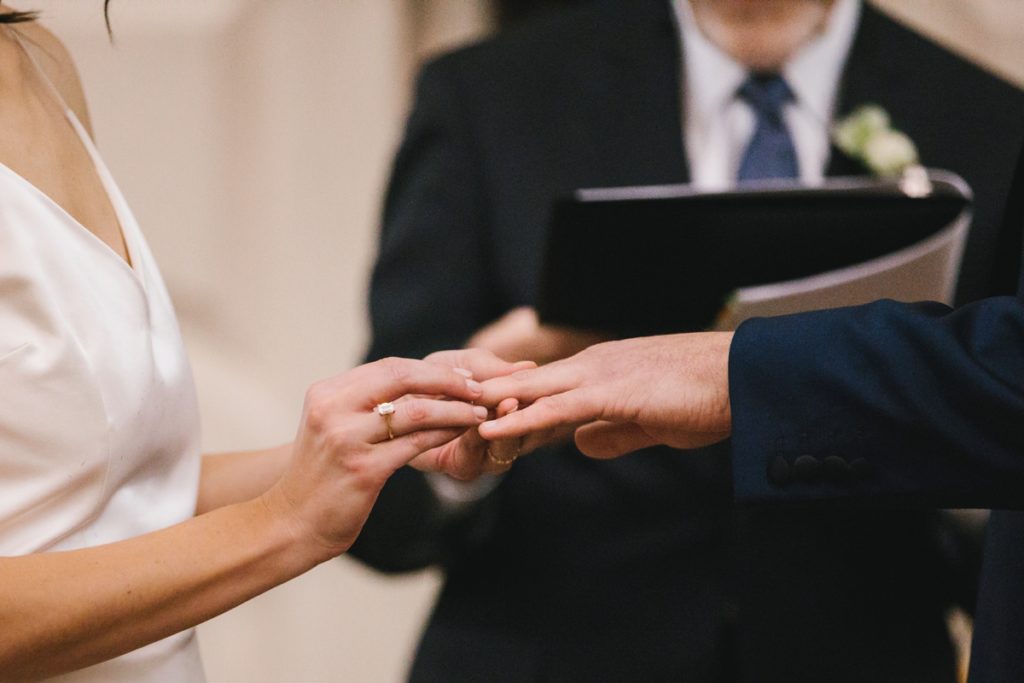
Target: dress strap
14,33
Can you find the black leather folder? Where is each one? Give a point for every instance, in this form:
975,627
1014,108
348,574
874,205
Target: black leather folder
656,260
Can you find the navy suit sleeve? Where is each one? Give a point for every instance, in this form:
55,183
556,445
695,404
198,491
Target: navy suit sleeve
430,290
912,403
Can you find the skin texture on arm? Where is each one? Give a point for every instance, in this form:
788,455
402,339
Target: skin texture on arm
235,477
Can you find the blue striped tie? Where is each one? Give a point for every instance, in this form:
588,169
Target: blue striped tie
770,153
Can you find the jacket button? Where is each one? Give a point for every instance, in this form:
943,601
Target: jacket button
836,468
861,468
779,471
806,468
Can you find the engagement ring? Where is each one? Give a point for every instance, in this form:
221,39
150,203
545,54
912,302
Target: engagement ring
386,410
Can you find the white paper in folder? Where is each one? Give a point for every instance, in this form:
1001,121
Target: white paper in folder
926,271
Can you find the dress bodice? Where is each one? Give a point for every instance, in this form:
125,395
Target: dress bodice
99,426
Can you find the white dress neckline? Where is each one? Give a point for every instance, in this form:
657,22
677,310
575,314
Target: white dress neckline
125,220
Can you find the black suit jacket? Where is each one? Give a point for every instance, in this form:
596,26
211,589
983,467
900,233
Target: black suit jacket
640,568
916,404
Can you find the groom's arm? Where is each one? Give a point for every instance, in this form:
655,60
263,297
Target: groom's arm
915,404
431,290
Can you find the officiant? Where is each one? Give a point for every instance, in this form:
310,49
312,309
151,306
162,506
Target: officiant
640,569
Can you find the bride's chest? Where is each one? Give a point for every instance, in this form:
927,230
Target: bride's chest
92,346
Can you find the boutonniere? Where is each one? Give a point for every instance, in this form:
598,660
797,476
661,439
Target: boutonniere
868,136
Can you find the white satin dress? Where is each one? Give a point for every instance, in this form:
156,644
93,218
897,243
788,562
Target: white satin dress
99,426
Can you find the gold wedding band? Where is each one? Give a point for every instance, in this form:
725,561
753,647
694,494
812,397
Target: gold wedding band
509,461
386,410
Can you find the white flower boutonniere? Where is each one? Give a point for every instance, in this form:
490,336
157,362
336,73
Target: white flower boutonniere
867,135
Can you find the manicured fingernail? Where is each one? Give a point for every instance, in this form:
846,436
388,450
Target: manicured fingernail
475,386
464,372
480,412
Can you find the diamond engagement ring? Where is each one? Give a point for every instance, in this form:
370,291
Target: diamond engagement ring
386,410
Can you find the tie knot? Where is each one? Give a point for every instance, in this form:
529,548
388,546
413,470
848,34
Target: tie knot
766,93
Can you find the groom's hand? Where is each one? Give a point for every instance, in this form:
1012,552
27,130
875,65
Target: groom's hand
469,456
624,395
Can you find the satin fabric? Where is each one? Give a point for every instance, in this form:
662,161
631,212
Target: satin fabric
99,425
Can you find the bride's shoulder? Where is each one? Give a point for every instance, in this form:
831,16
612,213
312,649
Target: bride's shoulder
55,60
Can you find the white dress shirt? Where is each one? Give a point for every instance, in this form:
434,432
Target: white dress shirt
718,125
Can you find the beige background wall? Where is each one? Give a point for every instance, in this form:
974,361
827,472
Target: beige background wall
253,140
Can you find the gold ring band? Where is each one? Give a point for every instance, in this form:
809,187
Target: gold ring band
509,461
386,410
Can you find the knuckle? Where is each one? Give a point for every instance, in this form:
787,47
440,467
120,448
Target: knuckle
547,404
417,412
396,368
318,408
462,471
420,441
366,473
337,440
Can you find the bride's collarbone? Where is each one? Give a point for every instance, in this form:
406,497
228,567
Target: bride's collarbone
39,143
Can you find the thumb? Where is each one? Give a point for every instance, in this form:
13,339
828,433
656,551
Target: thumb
604,440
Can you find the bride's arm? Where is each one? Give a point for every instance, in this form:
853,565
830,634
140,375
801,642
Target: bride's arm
63,611
234,477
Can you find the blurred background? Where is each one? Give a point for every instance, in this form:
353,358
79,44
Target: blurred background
253,140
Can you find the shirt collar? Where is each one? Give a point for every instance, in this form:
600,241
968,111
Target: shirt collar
814,72
712,77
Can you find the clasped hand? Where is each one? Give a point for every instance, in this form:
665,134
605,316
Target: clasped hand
456,411
616,397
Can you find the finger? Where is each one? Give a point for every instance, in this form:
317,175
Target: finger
578,406
501,454
611,439
547,437
481,363
415,414
390,378
403,449
532,384
472,455
509,405
466,458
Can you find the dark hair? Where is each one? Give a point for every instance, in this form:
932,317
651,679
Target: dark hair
16,17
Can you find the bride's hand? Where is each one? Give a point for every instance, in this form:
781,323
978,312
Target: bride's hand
343,453
470,456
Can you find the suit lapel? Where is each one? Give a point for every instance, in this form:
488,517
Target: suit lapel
861,83
638,115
